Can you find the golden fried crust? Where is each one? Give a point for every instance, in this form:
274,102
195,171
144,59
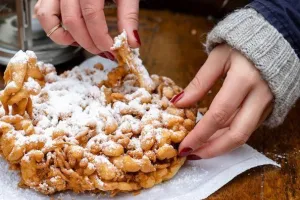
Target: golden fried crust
130,57
131,145
22,79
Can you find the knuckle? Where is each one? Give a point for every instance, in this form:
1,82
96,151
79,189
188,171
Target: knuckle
253,77
219,116
36,8
197,83
239,138
269,97
246,77
89,12
64,39
132,17
69,21
200,140
268,93
99,43
207,153
100,47
92,49
41,13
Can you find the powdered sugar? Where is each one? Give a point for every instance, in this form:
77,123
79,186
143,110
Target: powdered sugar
70,103
133,61
32,85
11,85
80,108
118,41
135,143
31,54
19,58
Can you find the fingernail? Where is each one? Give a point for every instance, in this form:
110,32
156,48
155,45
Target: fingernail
110,56
107,55
193,157
137,37
177,97
102,54
75,44
185,152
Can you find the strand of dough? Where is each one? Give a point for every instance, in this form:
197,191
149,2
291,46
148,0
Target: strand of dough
22,78
129,56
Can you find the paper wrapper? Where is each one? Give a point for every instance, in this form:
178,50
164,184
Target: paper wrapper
195,180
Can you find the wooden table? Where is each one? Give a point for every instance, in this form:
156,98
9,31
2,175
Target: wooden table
172,45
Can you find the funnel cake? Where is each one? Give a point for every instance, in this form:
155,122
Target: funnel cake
92,128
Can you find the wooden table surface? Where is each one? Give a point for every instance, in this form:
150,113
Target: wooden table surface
172,45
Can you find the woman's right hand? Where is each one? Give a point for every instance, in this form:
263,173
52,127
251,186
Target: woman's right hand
85,23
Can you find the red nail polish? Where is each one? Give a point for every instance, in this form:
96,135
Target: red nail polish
102,54
107,55
177,97
74,44
185,152
110,56
137,37
193,157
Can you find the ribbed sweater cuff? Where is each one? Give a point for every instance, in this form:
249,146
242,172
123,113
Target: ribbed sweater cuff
247,31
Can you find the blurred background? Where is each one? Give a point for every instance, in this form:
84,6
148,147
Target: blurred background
216,8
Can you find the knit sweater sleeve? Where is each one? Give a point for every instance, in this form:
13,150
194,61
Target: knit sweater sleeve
247,31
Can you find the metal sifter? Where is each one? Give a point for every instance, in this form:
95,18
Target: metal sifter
20,30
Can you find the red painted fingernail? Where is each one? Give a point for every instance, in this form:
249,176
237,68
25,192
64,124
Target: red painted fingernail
110,56
137,37
185,152
177,97
193,157
75,44
107,55
102,54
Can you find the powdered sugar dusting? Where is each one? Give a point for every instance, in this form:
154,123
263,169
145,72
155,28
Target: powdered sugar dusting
70,103
118,41
133,60
11,85
32,85
31,54
80,117
19,58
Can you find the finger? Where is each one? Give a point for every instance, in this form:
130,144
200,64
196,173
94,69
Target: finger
94,18
48,15
225,128
208,74
128,19
218,134
266,114
223,107
72,20
37,6
242,126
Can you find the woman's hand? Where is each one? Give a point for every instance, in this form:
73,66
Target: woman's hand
241,105
85,23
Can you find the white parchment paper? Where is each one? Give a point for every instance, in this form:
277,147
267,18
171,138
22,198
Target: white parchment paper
195,180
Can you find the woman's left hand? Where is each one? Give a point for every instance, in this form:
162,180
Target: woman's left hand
241,105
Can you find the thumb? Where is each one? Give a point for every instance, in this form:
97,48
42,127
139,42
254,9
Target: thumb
128,19
208,74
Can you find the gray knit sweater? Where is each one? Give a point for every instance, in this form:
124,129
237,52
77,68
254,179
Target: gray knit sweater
247,31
